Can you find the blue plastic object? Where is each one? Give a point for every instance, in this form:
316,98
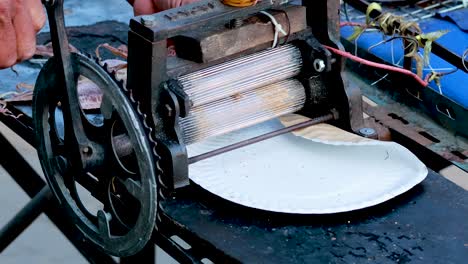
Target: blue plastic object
453,86
458,17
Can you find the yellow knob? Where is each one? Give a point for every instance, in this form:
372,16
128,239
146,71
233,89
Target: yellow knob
240,3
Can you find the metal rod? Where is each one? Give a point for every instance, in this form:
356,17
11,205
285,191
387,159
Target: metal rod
24,218
122,145
263,137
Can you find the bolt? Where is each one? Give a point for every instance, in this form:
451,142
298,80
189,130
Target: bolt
148,20
86,150
319,65
367,132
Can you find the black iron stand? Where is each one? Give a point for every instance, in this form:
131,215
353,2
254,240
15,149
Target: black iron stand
43,202
25,217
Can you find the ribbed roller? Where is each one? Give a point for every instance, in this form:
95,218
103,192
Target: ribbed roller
237,76
242,110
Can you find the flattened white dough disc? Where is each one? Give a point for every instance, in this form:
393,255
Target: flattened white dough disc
299,175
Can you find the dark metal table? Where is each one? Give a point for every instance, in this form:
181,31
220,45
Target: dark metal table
427,224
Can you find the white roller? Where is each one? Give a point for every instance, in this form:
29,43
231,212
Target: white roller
240,75
242,110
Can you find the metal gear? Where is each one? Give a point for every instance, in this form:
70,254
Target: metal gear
122,174
163,192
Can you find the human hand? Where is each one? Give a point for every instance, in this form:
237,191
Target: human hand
20,20
145,7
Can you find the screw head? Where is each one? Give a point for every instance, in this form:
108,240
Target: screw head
148,20
319,65
367,132
86,150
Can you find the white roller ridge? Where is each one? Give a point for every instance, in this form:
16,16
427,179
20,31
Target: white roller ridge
242,92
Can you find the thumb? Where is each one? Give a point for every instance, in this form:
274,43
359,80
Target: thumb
37,13
143,7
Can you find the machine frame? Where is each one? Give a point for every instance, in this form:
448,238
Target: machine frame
147,82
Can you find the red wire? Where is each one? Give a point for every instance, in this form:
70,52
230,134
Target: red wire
352,24
380,65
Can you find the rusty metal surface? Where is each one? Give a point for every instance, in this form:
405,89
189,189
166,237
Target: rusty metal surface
216,42
333,17
414,124
397,123
382,132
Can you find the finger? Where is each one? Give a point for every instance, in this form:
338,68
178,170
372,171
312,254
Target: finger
186,2
37,13
143,7
164,4
168,4
8,54
25,33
